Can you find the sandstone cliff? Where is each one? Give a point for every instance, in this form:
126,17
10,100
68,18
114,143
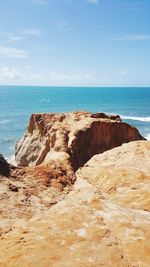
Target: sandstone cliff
75,136
102,220
97,216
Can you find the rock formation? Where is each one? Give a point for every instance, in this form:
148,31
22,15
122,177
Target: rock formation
103,219
99,215
4,166
29,191
75,136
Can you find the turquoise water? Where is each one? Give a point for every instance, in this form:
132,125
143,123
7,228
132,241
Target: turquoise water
19,102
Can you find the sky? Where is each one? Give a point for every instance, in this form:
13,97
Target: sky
75,42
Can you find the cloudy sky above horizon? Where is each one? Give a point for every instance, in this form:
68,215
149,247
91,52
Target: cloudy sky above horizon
75,42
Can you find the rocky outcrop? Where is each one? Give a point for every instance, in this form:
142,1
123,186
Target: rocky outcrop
103,220
122,175
96,216
4,166
29,191
75,136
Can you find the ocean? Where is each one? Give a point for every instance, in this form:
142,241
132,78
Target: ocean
19,102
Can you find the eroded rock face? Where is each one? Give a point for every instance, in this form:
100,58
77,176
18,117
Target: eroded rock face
77,136
103,221
29,191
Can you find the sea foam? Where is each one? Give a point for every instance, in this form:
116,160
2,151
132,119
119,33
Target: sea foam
143,119
7,140
148,137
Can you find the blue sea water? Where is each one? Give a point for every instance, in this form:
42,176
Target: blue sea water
19,102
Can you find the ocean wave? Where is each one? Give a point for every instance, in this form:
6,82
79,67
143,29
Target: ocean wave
143,119
4,121
148,137
7,140
45,100
11,148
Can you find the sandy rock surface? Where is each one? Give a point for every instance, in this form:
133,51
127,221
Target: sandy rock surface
103,219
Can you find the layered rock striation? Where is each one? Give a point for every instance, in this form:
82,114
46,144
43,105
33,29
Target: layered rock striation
75,136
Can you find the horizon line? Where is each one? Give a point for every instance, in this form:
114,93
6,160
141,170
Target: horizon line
79,86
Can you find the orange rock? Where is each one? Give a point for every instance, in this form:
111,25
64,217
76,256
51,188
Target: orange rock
98,216
77,136
101,222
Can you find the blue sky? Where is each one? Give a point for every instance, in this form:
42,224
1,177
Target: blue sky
75,42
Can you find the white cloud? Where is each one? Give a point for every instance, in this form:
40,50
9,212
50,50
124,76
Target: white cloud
24,34
32,31
27,76
11,37
11,52
94,2
133,37
57,77
15,38
88,76
50,78
28,67
7,73
63,26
